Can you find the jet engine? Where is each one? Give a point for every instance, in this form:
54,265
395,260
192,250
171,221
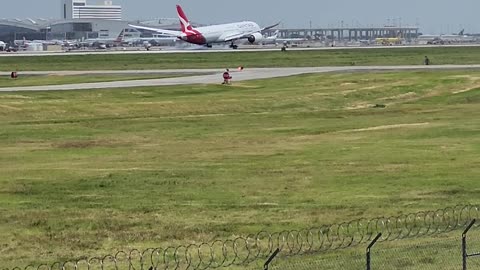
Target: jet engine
255,38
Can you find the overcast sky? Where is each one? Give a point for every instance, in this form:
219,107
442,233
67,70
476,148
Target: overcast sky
433,16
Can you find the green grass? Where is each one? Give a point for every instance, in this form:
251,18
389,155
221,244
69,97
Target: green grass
34,80
377,56
93,172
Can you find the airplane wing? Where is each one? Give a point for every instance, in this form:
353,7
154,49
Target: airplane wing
234,36
227,37
160,31
270,27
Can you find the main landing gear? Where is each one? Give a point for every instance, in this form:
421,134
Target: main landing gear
233,46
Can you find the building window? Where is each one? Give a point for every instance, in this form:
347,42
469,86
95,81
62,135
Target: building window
82,27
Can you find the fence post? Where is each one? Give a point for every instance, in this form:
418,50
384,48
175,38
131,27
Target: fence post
270,259
464,244
369,250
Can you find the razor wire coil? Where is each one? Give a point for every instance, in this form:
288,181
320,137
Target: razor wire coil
245,250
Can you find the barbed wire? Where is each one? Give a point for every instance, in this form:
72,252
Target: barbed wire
245,250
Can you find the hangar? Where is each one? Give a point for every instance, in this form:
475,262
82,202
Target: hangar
75,29
18,29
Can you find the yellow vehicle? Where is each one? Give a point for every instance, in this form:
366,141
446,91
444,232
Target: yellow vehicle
389,41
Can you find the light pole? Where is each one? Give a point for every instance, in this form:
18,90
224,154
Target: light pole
47,29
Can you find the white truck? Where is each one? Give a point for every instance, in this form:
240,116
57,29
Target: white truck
3,46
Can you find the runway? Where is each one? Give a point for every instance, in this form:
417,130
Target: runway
214,76
222,50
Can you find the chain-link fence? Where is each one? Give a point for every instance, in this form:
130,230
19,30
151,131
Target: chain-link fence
437,252
336,246
471,246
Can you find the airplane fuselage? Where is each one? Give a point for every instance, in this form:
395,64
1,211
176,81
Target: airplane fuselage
445,38
219,33
208,35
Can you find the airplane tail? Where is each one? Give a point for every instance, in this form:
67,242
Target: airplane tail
276,34
120,37
185,24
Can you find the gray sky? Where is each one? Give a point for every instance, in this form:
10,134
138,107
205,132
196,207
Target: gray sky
433,16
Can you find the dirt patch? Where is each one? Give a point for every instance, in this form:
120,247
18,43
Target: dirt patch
346,92
140,93
14,97
471,77
465,90
267,204
244,85
10,108
460,76
154,103
359,106
84,144
384,127
305,138
401,96
370,87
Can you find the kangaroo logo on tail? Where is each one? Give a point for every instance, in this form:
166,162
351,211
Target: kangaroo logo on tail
186,26
120,36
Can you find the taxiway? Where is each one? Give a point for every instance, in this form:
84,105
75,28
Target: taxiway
211,76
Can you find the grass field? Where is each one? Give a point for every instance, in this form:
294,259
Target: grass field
380,56
92,172
28,80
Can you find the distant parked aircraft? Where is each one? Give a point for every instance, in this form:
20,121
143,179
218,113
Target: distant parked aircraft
156,40
266,40
208,35
445,39
103,42
288,41
285,41
3,46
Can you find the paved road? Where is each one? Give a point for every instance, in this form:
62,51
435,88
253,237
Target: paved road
216,77
117,72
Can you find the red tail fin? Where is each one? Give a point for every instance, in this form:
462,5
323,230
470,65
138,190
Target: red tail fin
186,27
120,37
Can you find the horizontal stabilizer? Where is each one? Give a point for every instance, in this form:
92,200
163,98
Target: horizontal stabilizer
165,32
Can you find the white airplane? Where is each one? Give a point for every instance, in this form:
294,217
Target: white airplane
3,46
103,42
208,35
271,40
445,39
289,41
156,40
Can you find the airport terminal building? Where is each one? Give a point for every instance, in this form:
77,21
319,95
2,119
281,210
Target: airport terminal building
79,20
79,9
